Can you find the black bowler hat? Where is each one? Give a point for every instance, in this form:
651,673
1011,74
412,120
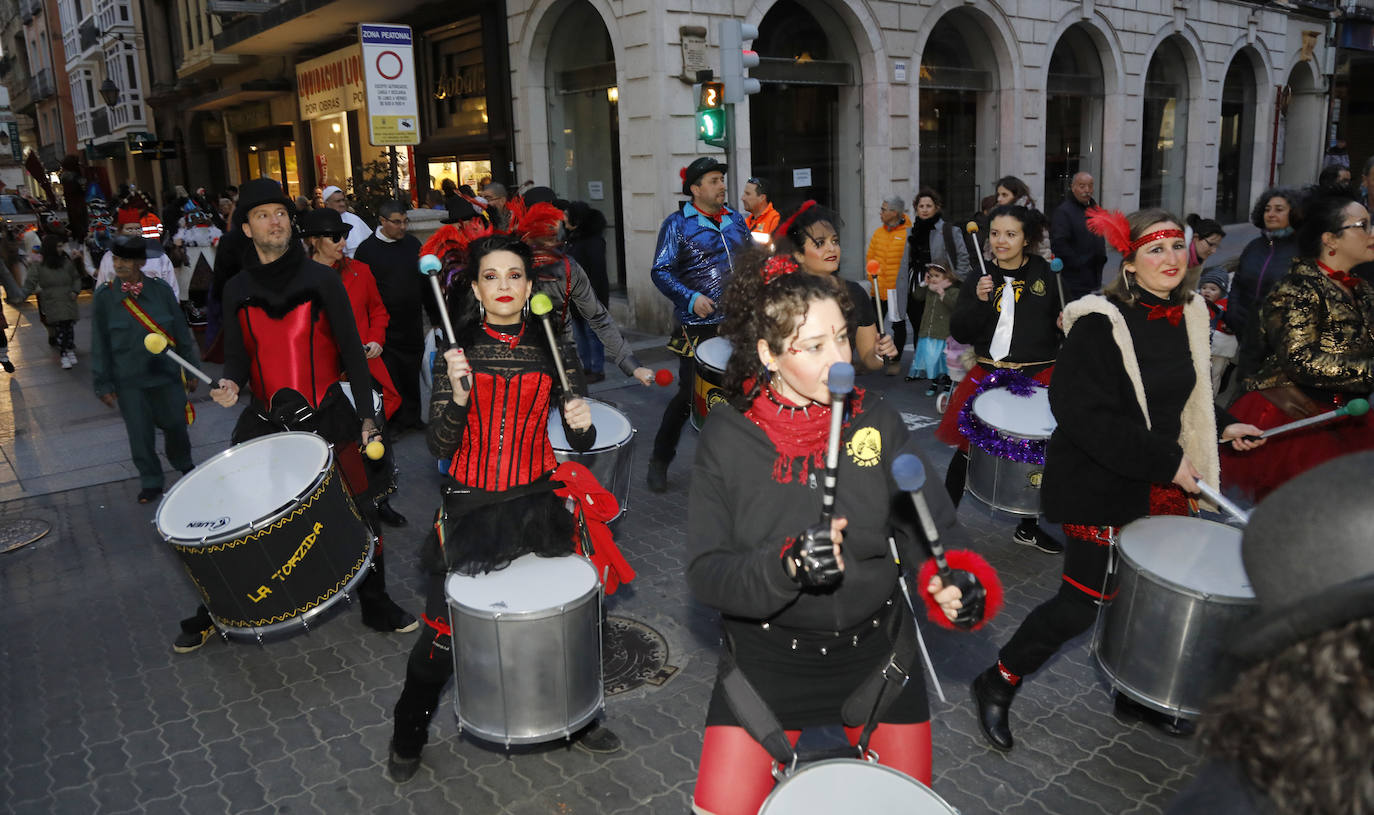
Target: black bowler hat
323,223
543,195
697,169
130,247
1308,556
459,210
261,191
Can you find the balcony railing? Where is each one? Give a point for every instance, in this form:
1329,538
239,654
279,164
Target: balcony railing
100,122
42,85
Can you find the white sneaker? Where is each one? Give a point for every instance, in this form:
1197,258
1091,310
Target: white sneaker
72,356
67,361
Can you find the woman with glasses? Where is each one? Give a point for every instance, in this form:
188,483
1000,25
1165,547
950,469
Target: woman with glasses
1317,326
1207,237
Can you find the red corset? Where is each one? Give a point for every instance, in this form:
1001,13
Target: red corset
506,439
295,351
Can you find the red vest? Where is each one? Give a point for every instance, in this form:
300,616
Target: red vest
506,440
294,351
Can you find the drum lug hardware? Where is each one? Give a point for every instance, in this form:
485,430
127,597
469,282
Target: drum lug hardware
875,623
854,641
824,651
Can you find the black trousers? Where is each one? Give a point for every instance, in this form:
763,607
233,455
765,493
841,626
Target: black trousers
428,670
680,406
403,363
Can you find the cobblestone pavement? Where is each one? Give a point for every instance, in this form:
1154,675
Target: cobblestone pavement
98,715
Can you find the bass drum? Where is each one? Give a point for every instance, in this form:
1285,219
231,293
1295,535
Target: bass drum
1181,594
268,533
526,649
613,454
851,785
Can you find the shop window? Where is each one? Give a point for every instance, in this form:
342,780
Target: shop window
1164,131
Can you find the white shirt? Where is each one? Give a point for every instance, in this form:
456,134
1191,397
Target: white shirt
159,267
357,232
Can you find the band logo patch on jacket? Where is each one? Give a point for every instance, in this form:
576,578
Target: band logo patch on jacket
1017,286
865,447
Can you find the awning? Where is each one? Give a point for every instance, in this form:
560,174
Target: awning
295,25
250,91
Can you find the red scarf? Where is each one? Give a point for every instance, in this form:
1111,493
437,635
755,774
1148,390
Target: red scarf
511,340
798,433
1340,277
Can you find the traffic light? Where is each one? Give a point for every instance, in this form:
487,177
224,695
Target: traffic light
736,60
711,114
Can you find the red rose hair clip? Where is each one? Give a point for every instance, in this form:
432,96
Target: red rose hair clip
777,266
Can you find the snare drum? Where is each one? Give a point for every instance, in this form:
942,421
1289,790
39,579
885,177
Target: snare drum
851,785
268,533
613,454
1009,478
711,358
1182,593
526,649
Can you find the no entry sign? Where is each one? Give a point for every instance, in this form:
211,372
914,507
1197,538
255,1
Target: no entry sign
389,75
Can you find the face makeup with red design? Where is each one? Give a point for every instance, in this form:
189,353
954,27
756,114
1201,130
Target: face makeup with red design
820,250
502,286
1159,266
800,374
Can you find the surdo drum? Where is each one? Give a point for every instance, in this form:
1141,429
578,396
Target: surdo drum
708,391
613,454
1181,593
851,785
1005,474
526,649
268,533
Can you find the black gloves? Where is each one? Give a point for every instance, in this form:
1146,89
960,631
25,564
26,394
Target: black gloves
974,596
814,558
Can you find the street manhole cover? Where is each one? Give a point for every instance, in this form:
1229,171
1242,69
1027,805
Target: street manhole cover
21,532
633,654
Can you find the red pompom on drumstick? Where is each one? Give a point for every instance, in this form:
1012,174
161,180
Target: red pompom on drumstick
974,564
663,377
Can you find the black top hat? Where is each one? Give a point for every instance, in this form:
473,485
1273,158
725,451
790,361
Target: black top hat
459,210
1307,552
697,169
323,222
130,247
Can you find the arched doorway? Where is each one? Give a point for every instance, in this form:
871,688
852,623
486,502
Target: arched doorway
958,106
1299,152
1074,93
1164,130
1236,148
584,126
807,108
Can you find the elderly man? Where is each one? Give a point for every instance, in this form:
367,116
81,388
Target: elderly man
692,262
887,247
1083,253
495,195
334,198
157,265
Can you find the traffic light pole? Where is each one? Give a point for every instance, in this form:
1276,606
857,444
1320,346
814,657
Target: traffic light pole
732,185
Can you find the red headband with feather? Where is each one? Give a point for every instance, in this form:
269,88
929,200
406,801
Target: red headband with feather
787,224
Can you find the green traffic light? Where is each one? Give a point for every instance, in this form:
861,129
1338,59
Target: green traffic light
711,126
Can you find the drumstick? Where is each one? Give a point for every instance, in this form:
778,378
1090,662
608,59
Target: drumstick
430,266
541,305
1214,495
157,344
872,268
840,381
910,475
1057,266
1355,407
972,229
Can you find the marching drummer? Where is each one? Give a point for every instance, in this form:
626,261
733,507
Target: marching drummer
501,488
811,609
1136,431
1012,322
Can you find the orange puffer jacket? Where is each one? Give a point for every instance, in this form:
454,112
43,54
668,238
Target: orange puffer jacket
886,247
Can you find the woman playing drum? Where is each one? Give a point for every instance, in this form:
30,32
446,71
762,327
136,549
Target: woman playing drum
501,494
1317,324
1011,318
1136,430
807,607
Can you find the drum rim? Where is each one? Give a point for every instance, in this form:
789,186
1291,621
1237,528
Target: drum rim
599,448
238,531
707,343
973,406
851,761
1157,579
536,614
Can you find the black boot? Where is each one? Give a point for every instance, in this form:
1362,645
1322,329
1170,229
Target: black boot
992,695
413,712
380,612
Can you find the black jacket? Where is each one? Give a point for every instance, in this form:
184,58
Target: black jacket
405,292
1083,253
1035,336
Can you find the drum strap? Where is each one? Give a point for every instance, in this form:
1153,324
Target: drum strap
753,713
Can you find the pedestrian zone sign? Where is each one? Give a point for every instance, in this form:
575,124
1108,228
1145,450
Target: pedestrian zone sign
389,76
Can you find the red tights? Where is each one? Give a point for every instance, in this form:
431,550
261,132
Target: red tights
735,774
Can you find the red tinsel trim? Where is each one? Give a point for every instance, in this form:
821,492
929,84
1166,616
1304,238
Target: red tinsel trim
1154,236
1112,225
787,224
967,561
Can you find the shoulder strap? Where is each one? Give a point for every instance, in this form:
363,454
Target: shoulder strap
950,249
752,712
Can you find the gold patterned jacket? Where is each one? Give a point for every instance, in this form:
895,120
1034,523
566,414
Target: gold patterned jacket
1318,336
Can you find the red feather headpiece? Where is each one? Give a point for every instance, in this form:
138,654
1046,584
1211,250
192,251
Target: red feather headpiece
1112,225
450,242
539,222
787,224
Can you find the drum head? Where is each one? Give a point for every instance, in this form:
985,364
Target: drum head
715,353
528,585
246,484
1028,417
612,427
1200,555
850,785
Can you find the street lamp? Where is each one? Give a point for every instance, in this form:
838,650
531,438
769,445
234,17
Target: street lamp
109,91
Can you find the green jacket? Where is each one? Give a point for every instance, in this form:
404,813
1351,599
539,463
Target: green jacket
57,290
937,311
118,356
